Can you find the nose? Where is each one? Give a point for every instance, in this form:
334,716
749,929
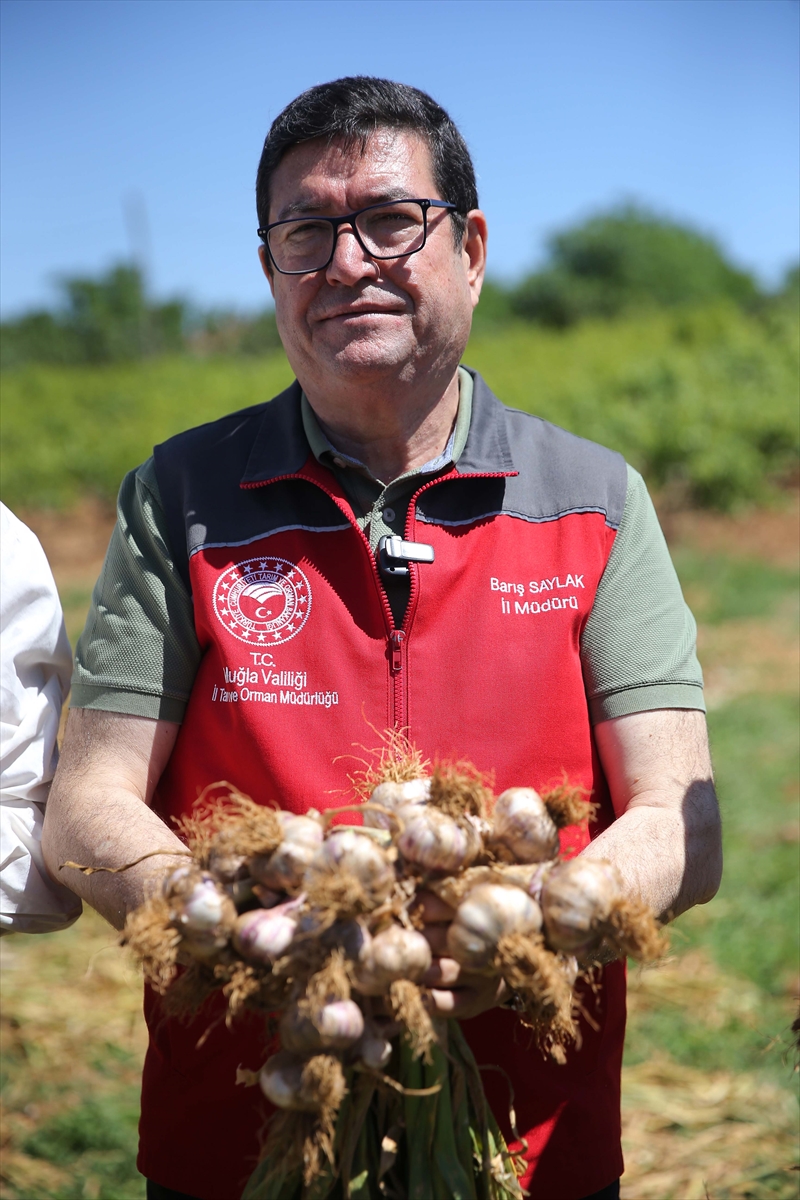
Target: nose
350,261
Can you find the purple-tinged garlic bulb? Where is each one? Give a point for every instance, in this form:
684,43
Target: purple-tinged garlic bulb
282,871
336,1026
394,796
395,953
489,912
434,841
340,1024
201,910
522,825
264,934
347,852
577,898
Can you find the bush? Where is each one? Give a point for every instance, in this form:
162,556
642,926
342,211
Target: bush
74,431
703,402
99,320
110,319
623,260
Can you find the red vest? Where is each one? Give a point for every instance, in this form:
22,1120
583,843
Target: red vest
301,666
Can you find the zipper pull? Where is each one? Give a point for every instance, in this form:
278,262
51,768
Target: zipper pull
396,639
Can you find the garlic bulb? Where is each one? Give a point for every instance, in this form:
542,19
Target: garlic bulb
394,796
346,851
340,1024
199,903
282,871
489,912
281,1081
352,937
522,824
336,1026
374,1049
432,840
483,827
577,898
264,934
395,953
226,864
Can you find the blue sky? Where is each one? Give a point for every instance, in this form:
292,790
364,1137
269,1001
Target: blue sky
115,107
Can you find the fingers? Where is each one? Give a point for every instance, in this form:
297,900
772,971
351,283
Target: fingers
464,1002
443,972
458,993
431,909
437,938
445,1002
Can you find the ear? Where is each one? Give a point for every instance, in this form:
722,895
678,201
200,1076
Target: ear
266,266
474,252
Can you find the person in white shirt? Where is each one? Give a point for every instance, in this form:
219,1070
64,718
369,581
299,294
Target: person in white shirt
35,669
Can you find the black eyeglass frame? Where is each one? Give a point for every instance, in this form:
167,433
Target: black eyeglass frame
350,219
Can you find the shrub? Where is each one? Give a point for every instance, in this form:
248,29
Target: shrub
623,260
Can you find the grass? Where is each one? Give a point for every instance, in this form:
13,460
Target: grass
710,1106
703,402
72,1049
710,1079
738,1015
75,431
720,588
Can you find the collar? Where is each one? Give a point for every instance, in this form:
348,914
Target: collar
281,446
329,456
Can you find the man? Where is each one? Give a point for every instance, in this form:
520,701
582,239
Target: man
252,616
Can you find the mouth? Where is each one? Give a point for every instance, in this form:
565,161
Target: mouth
360,313
354,311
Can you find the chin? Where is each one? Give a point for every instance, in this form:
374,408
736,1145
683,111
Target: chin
369,355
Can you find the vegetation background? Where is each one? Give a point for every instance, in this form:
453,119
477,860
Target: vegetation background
639,334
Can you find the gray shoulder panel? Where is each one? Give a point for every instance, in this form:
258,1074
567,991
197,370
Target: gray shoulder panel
550,473
201,472
560,473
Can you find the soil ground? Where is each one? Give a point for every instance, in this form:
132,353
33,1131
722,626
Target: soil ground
73,1036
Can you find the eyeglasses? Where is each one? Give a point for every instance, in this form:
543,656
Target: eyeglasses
392,230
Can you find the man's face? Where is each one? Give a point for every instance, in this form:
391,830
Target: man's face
361,320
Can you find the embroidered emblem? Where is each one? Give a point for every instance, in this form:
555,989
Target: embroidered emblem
263,601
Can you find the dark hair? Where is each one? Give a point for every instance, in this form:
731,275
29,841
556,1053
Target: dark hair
349,110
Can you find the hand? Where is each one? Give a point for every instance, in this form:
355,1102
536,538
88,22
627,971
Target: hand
454,991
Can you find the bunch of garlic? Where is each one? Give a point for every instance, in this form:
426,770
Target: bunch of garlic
317,920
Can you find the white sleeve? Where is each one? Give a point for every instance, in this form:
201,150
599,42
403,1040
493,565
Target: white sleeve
35,665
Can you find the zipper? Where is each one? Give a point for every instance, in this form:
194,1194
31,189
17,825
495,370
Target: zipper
397,676
397,648
397,708
396,639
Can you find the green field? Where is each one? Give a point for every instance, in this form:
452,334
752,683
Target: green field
703,402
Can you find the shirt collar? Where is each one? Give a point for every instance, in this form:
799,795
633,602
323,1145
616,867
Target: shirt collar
480,442
328,455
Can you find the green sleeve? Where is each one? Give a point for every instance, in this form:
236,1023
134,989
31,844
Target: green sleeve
138,653
638,646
